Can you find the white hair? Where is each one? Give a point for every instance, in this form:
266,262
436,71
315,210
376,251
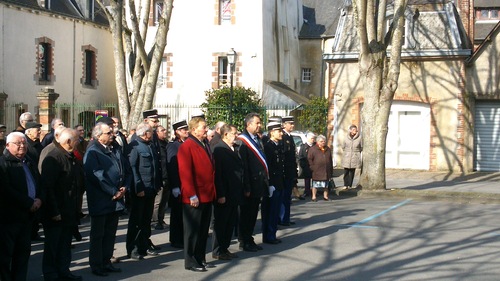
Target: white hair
12,135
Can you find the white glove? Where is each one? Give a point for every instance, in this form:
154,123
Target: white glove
271,190
176,192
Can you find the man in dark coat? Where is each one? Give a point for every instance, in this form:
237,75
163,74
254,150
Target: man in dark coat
196,172
271,204
161,198
290,160
49,138
33,140
59,173
305,170
229,187
217,135
255,181
176,233
145,167
107,181
34,149
20,199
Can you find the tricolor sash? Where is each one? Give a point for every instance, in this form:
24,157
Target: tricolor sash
253,147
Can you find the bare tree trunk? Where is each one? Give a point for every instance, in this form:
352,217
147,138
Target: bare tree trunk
129,40
380,79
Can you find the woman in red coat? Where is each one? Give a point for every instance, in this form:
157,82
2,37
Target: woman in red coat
196,172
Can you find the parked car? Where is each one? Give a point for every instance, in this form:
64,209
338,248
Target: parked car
299,138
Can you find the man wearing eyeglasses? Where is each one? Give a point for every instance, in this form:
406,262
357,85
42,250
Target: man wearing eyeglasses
19,201
107,181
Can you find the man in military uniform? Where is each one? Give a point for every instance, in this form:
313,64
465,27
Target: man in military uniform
290,168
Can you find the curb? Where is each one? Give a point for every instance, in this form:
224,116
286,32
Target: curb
458,197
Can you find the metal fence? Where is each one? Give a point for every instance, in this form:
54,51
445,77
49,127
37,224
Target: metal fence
85,114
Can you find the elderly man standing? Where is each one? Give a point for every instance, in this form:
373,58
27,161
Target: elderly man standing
147,182
196,171
19,201
23,119
49,138
58,171
106,182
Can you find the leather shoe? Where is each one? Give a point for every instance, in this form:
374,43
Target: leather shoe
70,277
207,265
99,272
248,248
111,268
159,226
151,252
196,268
136,256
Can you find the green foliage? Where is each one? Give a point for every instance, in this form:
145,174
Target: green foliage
217,105
315,115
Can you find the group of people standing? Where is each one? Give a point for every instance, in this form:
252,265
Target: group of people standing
232,177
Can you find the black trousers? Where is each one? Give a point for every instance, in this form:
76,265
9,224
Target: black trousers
15,249
139,224
248,218
196,224
176,233
57,251
102,239
224,221
349,176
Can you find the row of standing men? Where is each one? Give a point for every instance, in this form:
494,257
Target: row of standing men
112,169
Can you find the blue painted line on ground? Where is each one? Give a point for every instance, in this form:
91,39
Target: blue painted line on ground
359,226
381,213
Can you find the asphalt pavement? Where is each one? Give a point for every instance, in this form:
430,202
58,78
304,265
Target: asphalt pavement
418,229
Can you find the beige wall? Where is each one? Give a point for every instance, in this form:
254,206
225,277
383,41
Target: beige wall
18,57
483,75
311,52
432,82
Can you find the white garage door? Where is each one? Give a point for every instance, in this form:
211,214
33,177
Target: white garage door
408,139
487,136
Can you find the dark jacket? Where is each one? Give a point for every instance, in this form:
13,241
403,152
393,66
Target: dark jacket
15,203
34,149
304,169
290,154
48,138
255,174
172,165
58,170
105,172
145,166
163,160
228,174
276,164
321,163
196,171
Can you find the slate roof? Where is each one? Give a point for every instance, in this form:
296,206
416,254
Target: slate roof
63,7
321,17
